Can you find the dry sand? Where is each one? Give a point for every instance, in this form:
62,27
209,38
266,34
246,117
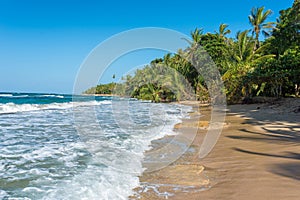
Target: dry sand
256,157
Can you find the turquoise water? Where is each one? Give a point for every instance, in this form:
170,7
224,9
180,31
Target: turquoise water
56,146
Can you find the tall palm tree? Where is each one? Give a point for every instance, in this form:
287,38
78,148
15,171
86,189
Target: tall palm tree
257,19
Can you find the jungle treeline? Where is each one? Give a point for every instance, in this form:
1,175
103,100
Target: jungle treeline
248,66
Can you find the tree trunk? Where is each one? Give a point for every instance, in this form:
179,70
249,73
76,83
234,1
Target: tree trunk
297,89
256,42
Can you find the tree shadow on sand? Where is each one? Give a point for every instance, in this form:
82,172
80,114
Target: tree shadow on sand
287,155
274,128
289,170
288,135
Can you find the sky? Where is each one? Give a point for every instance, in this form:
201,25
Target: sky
44,43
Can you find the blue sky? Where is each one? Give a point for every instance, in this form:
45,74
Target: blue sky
43,43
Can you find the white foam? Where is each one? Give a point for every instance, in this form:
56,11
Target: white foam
13,96
47,95
14,108
32,189
51,95
2,194
19,96
112,162
6,95
96,183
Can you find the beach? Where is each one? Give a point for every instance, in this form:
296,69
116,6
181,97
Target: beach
256,157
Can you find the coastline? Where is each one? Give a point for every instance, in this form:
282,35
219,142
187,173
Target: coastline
256,157
178,177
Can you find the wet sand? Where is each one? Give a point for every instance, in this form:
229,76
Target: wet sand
257,157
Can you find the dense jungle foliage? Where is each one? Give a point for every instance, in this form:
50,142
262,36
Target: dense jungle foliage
248,66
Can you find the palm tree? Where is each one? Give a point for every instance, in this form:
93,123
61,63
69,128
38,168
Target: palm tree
243,47
222,30
167,59
196,35
257,19
243,63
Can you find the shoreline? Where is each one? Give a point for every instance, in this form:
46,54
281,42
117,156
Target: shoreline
246,163
164,183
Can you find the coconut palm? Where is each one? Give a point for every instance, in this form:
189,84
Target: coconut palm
243,63
223,30
196,35
257,19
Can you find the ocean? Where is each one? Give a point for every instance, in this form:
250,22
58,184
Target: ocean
57,146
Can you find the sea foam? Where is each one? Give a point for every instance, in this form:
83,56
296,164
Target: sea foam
49,155
14,108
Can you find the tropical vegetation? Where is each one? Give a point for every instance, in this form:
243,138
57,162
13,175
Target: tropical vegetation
248,66
101,89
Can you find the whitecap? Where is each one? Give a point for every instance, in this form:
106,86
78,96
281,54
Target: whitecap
8,108
32,189
19,96
51,95
6,95
3,194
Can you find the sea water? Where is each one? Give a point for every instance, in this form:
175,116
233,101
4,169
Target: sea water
55,146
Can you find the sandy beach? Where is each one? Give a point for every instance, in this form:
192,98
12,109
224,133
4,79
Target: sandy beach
257,157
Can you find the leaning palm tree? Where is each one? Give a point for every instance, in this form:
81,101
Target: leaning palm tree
257,19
